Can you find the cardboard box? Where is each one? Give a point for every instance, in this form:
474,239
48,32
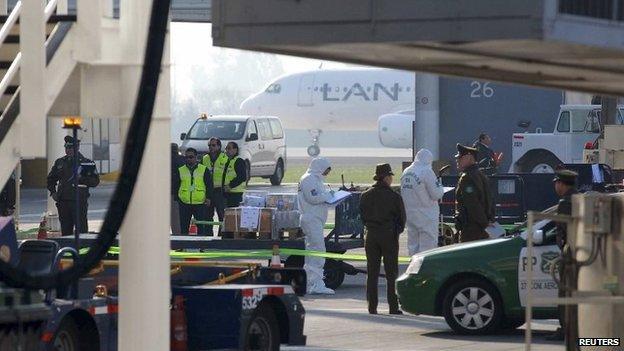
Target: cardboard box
282,202
232,217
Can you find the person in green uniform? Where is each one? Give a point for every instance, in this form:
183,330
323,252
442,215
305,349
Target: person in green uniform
234,180
383,214
194,184
474,209
215,161
565,187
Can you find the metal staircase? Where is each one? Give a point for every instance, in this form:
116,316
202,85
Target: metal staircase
57,27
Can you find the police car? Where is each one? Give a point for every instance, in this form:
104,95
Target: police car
480,287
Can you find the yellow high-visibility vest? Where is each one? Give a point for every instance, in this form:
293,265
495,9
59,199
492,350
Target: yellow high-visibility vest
230,174
192,187
216,168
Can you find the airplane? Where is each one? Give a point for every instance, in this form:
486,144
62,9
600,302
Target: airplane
346,99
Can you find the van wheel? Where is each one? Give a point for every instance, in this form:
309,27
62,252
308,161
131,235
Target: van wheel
278,175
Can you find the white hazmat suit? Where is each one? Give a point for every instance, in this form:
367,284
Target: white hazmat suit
312,195
421,191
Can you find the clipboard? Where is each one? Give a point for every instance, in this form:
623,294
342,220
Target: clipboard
339,196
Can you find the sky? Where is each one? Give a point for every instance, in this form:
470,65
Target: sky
191,45
208,79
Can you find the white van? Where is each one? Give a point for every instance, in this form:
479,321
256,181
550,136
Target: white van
261,142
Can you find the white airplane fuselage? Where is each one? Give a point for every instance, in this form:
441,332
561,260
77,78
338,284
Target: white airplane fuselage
334,99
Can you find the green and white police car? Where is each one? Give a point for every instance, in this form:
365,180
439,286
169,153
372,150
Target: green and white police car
480,287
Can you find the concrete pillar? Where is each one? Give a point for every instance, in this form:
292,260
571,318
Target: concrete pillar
144,279
32,79
427,116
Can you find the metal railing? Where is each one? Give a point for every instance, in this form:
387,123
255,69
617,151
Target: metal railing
6,30
603,9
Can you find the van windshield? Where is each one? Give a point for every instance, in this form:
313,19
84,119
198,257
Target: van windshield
224,130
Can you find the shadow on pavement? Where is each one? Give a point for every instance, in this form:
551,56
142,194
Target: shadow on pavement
539,337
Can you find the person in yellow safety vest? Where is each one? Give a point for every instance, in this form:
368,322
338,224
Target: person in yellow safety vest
194,183
215,161
234,177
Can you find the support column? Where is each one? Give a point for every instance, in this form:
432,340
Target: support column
32,79
144,281
427,115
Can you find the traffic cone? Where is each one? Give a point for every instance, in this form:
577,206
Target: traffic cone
193,228
42,233
179,328
276,262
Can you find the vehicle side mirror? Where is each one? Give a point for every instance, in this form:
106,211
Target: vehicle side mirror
182,136
538,237
252,137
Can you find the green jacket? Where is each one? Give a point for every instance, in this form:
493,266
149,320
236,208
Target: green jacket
474,208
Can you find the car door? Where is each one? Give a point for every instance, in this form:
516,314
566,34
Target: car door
545,256
265,142
278,144
253,146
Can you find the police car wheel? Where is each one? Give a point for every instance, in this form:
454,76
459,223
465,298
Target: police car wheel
263,332
67,337
473,306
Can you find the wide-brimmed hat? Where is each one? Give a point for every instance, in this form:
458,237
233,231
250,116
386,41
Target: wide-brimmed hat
565,176
382,170
464,150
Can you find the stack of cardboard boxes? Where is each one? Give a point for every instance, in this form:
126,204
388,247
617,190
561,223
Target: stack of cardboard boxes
277,212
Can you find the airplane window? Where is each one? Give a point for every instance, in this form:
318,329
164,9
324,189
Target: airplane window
400,89
274,89
315,88
337,89
368,89
408,89
344,89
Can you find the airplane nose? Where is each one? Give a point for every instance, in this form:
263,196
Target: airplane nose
250,105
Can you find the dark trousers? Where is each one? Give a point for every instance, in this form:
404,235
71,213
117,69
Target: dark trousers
380,245
233,199
217,204
568,314
197,211
67,215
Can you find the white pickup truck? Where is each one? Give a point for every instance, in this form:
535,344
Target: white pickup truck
542,152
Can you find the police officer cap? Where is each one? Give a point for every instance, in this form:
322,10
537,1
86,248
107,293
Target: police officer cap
382,170
69,141
565,176
464,150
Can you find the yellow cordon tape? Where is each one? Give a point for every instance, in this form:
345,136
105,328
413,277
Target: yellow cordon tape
214,254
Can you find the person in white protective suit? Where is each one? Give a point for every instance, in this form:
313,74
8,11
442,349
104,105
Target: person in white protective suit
312,196
421,192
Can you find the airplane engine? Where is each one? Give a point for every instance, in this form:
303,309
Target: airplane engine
395,130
